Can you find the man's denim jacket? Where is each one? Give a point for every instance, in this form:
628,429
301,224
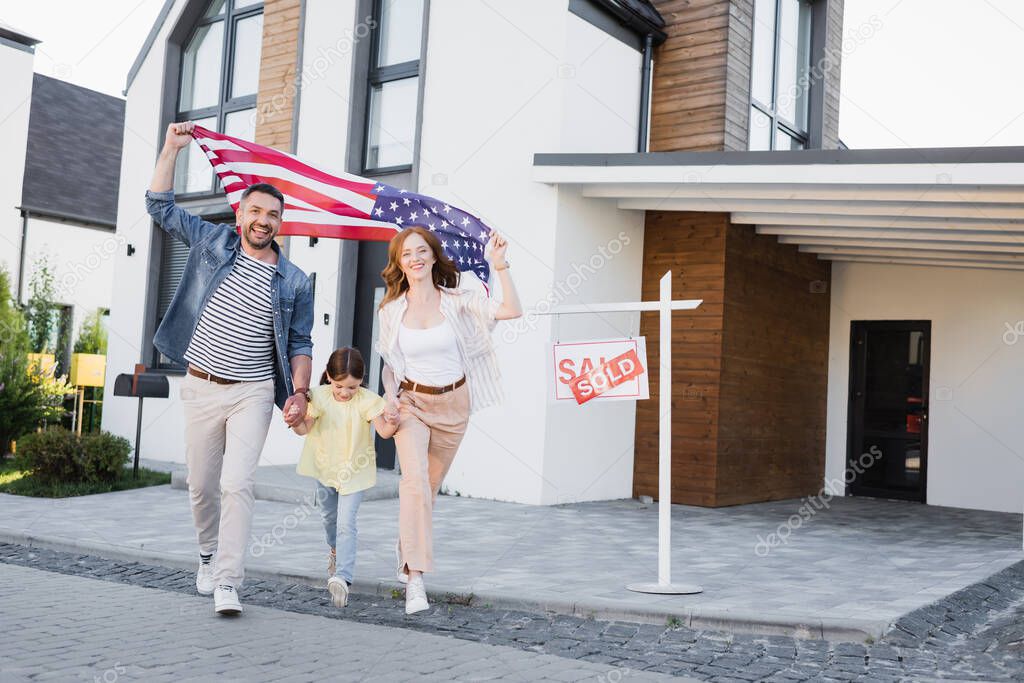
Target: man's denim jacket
212,252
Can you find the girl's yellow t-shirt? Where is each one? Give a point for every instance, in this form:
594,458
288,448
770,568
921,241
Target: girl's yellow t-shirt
339,447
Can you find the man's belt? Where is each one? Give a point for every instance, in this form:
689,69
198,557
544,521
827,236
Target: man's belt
426,389
210,378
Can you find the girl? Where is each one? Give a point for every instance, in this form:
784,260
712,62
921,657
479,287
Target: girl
440,366
339,453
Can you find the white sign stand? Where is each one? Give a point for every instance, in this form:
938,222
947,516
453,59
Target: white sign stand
664,306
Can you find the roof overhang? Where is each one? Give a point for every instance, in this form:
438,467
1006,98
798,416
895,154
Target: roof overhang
953,207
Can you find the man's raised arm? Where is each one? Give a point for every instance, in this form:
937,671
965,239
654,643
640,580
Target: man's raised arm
178,222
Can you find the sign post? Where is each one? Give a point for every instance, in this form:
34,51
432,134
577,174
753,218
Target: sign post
665,305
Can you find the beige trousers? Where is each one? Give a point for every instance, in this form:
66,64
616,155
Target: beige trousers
429,434
225,429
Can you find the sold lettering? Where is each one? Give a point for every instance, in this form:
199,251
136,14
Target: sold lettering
595,381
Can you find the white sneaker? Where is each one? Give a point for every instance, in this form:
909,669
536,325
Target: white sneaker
225,601
402,576
416,596
339,591
204,579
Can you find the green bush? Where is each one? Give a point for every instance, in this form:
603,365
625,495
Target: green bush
27,399
60,456
105,456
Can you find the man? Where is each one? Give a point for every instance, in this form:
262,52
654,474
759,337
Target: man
240,321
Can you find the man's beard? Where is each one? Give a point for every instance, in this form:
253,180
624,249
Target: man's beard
257,240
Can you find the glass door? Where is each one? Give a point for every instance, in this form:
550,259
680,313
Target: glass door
888,420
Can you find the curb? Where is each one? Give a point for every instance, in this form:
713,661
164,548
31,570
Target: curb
838,630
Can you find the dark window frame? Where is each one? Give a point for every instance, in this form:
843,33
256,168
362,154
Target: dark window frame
226,104
378,76
805,138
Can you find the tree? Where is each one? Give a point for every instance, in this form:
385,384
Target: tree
28,396
92,335
41,308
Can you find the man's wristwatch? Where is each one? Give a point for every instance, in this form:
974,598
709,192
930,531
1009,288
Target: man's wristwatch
304,391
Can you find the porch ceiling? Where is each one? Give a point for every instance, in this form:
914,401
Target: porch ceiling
961,207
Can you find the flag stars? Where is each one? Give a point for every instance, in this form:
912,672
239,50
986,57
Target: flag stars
399,220
406,201
447,209
444,245
378,189
413,216
433,228
379,211
465,221
394,206
444,224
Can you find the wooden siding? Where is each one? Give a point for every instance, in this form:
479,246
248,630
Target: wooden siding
833,48
689,86
749,367
692,245
771,423
275,102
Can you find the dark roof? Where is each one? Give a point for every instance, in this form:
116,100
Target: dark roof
73,160
639,16
919,155
16,37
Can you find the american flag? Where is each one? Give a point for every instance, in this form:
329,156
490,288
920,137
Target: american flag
345,206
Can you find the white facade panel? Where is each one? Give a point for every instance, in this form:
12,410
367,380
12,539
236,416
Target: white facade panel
977,368
16,80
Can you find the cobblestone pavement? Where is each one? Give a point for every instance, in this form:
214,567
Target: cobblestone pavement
974,634
64,628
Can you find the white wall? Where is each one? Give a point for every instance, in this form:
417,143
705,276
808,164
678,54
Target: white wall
82,262
16,84
163,425
322,141
601,80
975,434
526,91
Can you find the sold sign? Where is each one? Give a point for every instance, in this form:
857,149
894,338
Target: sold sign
605,370
604,377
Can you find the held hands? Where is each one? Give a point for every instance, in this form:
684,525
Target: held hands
391,412
179,135
294,410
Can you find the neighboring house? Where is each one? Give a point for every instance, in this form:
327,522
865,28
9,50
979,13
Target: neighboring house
59,202
538,117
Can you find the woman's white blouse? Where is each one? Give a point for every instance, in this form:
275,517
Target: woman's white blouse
431,354
471,315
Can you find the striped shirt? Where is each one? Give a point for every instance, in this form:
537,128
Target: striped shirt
471,314
235,335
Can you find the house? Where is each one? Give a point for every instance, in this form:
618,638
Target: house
851,336
62,165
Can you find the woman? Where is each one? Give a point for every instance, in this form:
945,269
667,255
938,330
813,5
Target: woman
440,366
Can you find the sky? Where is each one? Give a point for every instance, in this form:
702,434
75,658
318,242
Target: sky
915,73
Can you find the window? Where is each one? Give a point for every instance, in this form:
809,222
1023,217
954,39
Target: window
393,86
172,266
220,67
779,74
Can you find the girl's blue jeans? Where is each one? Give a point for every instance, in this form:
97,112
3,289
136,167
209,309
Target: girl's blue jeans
339,512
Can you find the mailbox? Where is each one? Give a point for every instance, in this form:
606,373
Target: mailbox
145,385
141,385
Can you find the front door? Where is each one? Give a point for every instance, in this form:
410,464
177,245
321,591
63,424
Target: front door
887,451
373,256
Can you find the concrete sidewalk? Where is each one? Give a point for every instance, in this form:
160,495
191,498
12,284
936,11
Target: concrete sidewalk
845,574
279,483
